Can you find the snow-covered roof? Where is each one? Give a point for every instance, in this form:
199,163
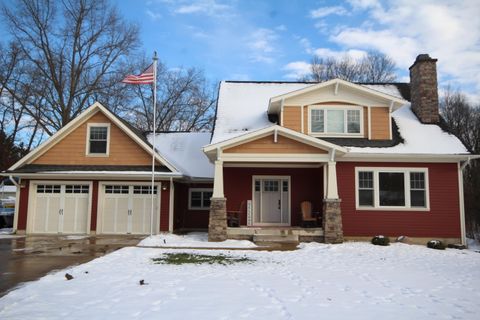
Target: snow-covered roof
418,138
184,151
8,189
242,108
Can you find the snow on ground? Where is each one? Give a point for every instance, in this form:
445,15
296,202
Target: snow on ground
346,281
192,240
419,138
473,244
7,233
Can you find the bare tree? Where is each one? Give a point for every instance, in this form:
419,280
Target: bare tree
71,50
463,120
373,67
185,101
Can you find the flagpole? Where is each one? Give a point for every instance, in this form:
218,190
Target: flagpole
155,59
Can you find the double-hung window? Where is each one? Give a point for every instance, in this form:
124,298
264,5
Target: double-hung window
98,139
392,188
199,199
336,120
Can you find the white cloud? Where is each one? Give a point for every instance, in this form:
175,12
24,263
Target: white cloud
208,7
448,30
326,11
261,44
153,15
329,53
297,70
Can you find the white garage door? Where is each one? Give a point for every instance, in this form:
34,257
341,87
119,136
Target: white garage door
126,209
60,208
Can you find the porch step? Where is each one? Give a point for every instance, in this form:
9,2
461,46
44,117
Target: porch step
275,238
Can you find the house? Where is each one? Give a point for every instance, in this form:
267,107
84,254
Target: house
372,158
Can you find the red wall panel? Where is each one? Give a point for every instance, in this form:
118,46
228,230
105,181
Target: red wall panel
23,206
185,218
164,206
443,219
93,218
306,184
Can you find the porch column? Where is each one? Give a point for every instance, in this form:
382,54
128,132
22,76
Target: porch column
217,224
332,213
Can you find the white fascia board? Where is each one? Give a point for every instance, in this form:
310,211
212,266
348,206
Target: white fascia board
275,157
406,157
289,133
86,175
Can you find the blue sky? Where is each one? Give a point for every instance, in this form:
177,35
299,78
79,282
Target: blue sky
274,40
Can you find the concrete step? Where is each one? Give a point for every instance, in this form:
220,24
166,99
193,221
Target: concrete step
275,238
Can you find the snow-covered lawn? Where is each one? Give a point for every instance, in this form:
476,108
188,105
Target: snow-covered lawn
318,281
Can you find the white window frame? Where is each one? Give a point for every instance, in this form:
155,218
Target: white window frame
97,125
376,189
202,190
326,108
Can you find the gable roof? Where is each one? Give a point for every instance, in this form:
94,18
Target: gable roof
389,95
75,123
242,108
211,149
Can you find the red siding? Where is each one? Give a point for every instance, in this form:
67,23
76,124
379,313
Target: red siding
443,219
306,184
185,218
93,218
23,206
164,206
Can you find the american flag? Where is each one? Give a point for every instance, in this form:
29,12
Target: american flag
145,78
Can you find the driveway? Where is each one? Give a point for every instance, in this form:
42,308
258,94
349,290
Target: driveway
29,258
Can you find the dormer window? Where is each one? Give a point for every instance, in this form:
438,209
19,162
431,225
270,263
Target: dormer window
336,120
98,139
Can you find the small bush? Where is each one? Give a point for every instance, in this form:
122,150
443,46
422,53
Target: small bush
381,241
436,244
187,258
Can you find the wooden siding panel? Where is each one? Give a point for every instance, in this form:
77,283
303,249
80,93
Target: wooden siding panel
443,219
380,123
292,118
71,150
267,145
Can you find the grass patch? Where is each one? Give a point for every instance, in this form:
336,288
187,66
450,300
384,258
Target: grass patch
188,258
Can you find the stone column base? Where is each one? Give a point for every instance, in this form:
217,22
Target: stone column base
332,221
217,224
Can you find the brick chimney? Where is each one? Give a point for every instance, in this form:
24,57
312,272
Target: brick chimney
423,89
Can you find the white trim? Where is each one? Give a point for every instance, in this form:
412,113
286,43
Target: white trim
272,177
87,138
202,190
78,121
370,122
302,121
275,157
101,194
376,189
281,111
404,157
171,203
32,192
330,107
271,165
461,201
324,181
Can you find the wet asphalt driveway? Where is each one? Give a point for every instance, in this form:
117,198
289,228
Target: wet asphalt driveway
29,258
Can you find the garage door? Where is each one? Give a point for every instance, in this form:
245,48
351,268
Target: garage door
126,209
60,208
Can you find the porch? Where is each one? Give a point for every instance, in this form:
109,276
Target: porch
276,234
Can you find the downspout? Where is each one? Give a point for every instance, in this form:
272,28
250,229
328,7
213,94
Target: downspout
461,167
17,203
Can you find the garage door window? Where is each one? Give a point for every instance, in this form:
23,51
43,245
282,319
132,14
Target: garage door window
116,189
77,188
144,190
48,188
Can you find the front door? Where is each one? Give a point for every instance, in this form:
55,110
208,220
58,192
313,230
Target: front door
271,205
